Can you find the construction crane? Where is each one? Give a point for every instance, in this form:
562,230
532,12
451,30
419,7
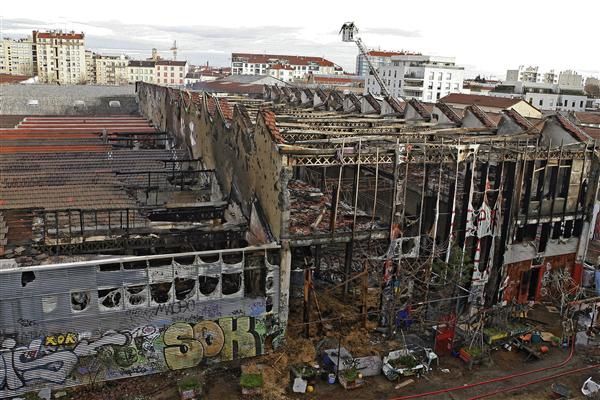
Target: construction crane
349,33
174,50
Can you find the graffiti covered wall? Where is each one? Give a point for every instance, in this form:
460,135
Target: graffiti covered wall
66,332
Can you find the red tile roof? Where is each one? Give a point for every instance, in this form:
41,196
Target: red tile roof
281,66
519,119
590,118
482,116
334,80
594,133
420,108
271,123
480,100
373,102
226,109
58,35
274,58
7,79
396,105
449,112
571,128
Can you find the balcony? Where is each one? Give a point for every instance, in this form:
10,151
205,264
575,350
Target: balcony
412,76
413,85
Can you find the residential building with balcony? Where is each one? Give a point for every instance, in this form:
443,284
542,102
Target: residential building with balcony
378,58
16,57
111,70
90,66
533,74
170,72
426,78
546,96
284,72
260,64
59,57
141,71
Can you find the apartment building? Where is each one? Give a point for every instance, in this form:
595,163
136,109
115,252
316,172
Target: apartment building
534,74
111,70
546,96
59,57
282,71
141,71
426,78
90,66
16,57
170,72
378,58
261,64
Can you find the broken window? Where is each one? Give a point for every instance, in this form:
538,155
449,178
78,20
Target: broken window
564,176
537,185
269,284
232,277
254,277
529,232
545,235
141,264
161,292
557,230
577,227
232,283
110,299
568,229
207,284
136,295
269,304
80,300
27,277
109,267
184,288
49,304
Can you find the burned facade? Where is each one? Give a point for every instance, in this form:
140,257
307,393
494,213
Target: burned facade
169,240
122,257
370,185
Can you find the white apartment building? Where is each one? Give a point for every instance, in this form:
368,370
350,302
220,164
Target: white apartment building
570,80
282,71
111,70
534,74
544,96
90,66
378,58
141,71
16,57
556,101
170,72
59,57
260,64
531,73
426,78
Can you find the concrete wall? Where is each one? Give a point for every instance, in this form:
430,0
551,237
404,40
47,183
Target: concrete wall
247,161
66,100
554,133
70,324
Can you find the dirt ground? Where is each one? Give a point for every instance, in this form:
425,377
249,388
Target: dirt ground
452,372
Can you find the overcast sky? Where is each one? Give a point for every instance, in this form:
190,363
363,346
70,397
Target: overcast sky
485,36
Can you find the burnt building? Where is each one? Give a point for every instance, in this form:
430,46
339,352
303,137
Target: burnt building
168,239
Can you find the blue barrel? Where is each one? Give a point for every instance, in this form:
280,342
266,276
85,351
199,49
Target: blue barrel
331,379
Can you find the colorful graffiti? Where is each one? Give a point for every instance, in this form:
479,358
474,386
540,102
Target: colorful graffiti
67,359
